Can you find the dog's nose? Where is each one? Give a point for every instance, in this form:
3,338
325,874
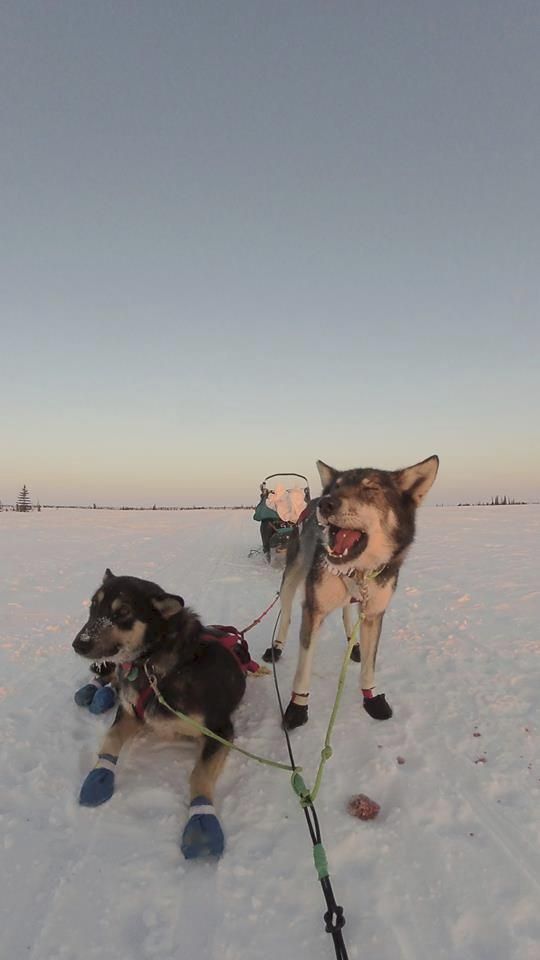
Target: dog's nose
81,641
329,505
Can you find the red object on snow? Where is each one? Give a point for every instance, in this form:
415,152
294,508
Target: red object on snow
362,807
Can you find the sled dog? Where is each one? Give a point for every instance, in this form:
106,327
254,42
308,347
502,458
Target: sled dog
159,646
347,549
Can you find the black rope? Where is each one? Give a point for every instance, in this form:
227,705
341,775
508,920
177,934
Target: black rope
334,919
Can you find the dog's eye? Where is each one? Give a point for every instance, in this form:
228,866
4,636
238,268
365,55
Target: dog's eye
122,612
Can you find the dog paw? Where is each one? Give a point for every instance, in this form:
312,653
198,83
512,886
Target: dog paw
104,699
377,707
295,715
84,696
272,653
97,788
355,653
202,836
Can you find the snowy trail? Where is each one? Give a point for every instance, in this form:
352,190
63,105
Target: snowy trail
450,869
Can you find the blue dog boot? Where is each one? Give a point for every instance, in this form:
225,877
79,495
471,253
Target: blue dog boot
84,696
202,836
99,784
104,699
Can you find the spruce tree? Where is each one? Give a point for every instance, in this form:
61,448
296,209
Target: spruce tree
23,501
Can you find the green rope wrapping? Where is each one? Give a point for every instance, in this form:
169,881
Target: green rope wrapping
321,863
300,788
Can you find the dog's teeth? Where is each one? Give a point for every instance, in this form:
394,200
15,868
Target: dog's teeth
346,551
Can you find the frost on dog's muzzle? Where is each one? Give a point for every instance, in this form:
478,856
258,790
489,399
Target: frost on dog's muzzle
91,634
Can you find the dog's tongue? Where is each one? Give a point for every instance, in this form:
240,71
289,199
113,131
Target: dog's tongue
344,540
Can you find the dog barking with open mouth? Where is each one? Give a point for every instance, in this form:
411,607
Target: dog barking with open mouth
348,549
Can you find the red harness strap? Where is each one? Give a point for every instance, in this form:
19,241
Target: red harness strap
235,643
142,700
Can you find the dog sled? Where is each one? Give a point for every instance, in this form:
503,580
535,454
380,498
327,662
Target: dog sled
278,511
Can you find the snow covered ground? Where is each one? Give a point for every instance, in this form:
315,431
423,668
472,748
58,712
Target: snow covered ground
450,870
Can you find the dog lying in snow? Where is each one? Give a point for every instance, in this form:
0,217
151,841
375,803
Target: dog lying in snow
149,635
349,548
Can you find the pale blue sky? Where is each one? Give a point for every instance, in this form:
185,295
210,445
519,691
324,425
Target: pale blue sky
237,237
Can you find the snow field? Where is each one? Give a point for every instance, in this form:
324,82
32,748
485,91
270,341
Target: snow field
451,867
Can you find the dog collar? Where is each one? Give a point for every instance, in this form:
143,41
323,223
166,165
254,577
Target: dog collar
356,581
131,671
353,572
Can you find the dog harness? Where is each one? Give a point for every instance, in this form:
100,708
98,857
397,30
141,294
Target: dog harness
131,673
235,643
228,637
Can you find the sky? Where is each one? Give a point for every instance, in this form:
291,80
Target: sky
240,237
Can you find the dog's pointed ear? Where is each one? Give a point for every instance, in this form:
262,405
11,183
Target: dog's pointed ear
168,605
108,575
326,473
418,479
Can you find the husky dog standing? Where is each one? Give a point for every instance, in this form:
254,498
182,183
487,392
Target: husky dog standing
349,548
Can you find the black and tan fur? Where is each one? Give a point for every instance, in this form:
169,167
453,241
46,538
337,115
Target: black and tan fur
137,621
381,506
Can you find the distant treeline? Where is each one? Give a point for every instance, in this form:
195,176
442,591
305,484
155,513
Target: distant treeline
496,502
94,506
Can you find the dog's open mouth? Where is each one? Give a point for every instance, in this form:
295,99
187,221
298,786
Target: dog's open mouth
116,656
344,544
